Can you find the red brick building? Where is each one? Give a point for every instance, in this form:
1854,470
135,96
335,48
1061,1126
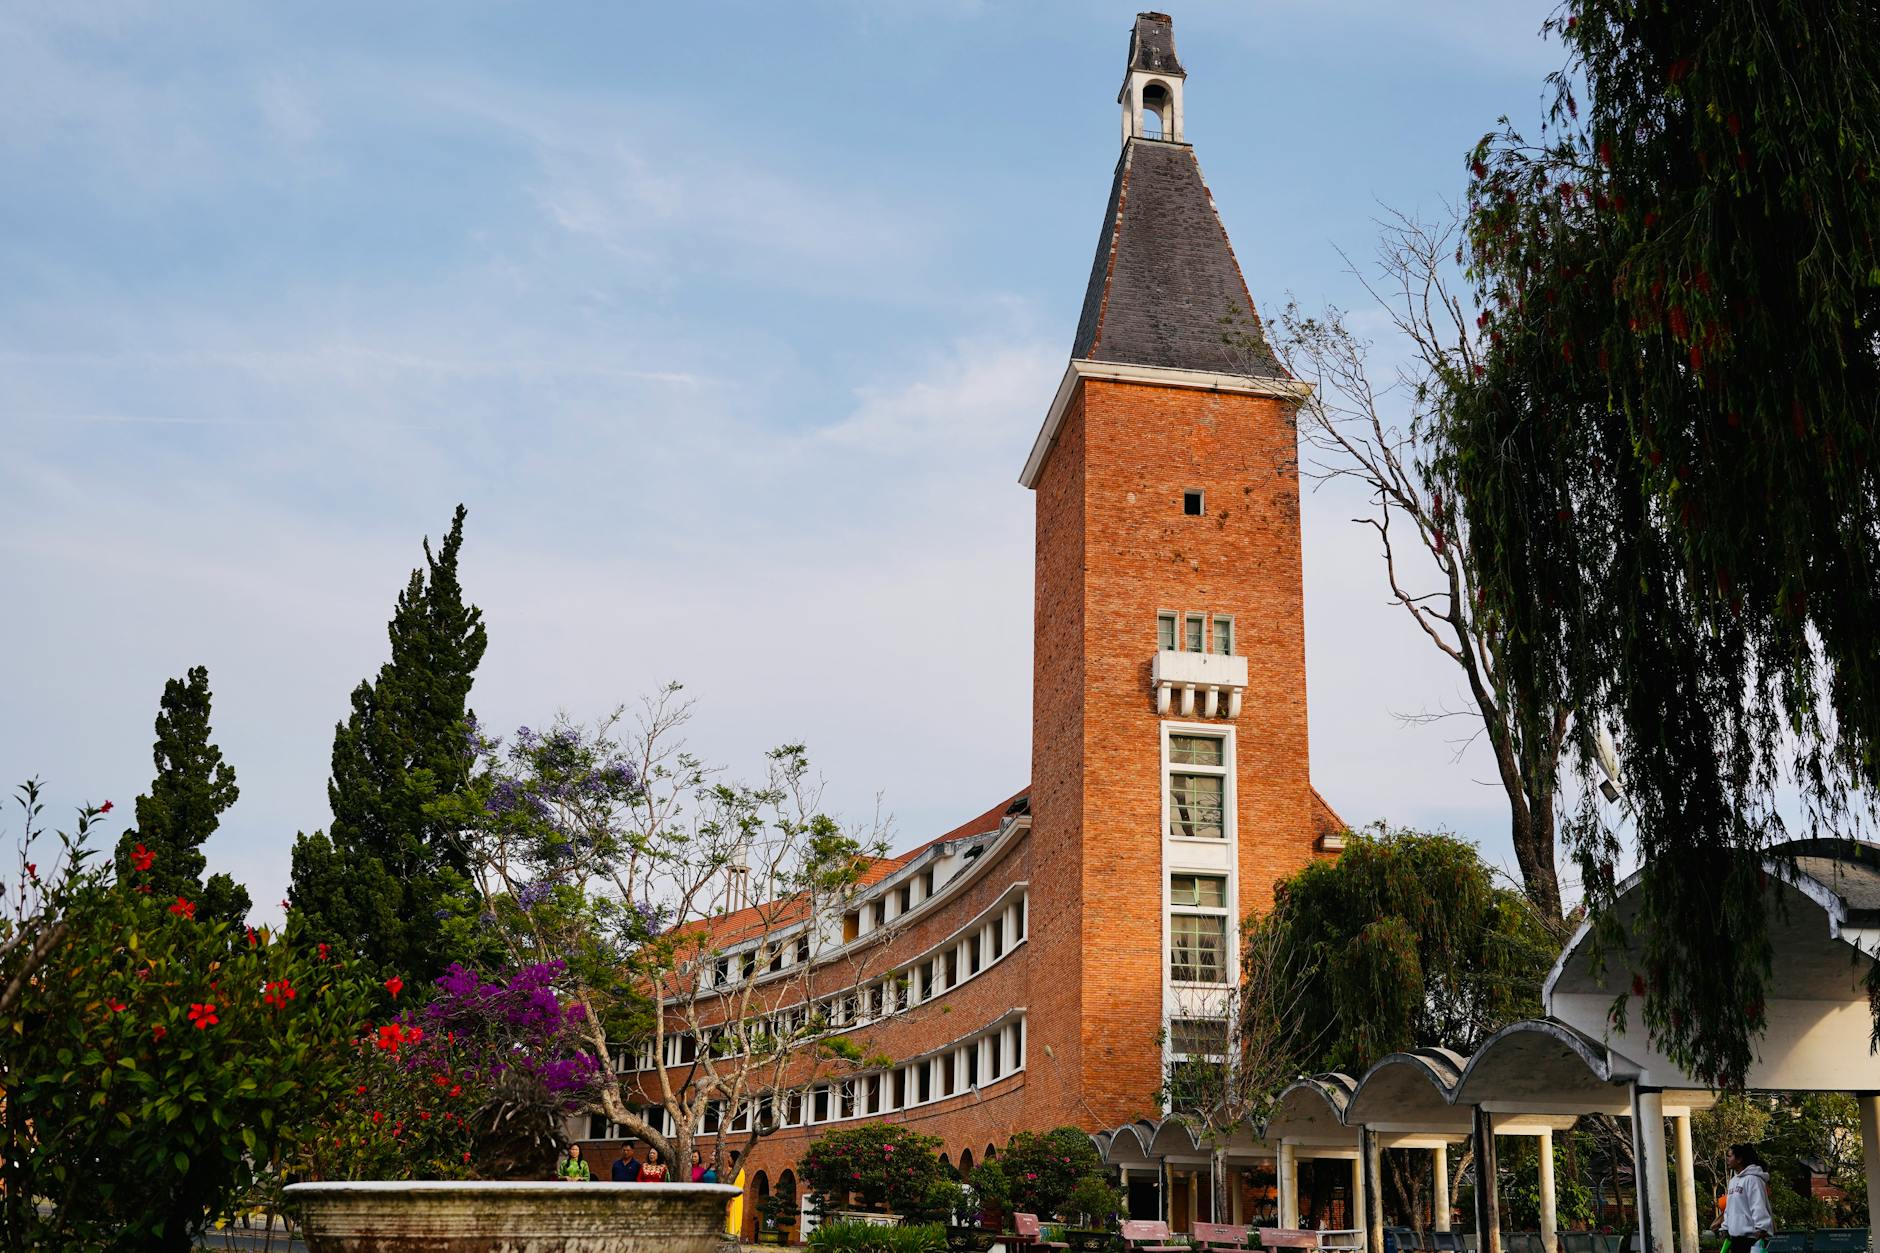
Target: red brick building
1059,950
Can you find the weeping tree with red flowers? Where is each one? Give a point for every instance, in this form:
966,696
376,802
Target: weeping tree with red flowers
1667,458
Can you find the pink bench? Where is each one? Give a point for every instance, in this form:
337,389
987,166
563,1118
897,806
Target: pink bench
1289,1238
1030,1236
1141,1233
1221,1235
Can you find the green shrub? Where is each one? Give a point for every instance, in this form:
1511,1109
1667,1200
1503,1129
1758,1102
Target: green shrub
1093,1201
882,1166
1043,1170
157,1063
851,1237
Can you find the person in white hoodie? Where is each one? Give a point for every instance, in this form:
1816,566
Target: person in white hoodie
1746,1218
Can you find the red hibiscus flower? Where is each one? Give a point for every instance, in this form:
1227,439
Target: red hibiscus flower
394,985
141,858
203,1015
278,993
159,1031
117,1007
184,908
391,1035
323,952
105,808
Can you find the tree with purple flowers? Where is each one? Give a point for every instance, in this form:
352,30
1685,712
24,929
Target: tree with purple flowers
681,914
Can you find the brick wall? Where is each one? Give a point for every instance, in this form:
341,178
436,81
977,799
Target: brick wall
1114,547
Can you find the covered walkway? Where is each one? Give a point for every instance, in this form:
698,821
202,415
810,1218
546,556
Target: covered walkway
1538,1077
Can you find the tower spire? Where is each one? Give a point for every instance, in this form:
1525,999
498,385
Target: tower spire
1152,86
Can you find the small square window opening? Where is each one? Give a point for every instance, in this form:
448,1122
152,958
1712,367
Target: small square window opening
1193,504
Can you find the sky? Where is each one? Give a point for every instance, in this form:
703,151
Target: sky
731,323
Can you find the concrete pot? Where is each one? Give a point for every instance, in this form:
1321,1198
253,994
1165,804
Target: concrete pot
376,1216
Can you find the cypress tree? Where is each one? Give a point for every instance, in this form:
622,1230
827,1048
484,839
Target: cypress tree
376,881
192,788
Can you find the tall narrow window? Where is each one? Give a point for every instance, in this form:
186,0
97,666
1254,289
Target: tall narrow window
1197,787
1197,928
1192,629
1223,641
1165,632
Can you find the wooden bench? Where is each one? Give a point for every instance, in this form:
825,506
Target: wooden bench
1288,1238
1221,1235
1031,1235
1148,1235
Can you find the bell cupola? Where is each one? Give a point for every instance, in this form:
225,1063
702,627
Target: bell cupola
1152,89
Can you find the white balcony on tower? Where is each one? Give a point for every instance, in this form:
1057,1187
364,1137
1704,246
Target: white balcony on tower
1190,683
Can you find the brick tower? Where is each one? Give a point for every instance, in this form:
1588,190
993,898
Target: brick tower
1169,769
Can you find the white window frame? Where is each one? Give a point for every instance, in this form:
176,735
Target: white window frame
1224,772
1215,622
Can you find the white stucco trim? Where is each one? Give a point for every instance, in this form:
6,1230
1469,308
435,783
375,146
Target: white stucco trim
1160,376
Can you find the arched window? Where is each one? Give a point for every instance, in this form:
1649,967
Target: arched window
991,1154
1157,111
966,1162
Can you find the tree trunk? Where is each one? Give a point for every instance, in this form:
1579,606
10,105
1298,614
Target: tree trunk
1408,1185
1218,1209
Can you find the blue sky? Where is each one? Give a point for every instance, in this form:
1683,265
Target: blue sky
731,323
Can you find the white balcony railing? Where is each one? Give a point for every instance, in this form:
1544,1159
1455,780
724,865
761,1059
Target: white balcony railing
1207,683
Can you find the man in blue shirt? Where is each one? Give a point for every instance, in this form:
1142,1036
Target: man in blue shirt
627,1169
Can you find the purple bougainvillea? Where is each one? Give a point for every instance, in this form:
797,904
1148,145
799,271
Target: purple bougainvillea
517,1022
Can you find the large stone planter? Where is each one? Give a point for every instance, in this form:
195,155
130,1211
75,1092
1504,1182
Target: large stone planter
385,1217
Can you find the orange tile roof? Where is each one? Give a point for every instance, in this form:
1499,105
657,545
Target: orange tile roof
754,920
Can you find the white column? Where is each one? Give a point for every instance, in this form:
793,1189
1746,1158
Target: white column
1288,1179
1870,1149
1648,1130
1687,1185
1373,1189
1355,1215
1439,1209
1550,1218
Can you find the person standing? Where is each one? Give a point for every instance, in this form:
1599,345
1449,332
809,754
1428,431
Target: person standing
655,1170
698,1166
574,1167
1747,1220
734,1212
627,1169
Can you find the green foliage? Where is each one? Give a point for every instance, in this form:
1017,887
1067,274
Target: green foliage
1820,1129
192,787
853,1237
393,861
1041,1172
154,1063
1669,460
1405,941
1093,1201
1518,1160
881,1166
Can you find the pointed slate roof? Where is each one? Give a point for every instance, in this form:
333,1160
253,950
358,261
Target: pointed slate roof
1152,45
1165,275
